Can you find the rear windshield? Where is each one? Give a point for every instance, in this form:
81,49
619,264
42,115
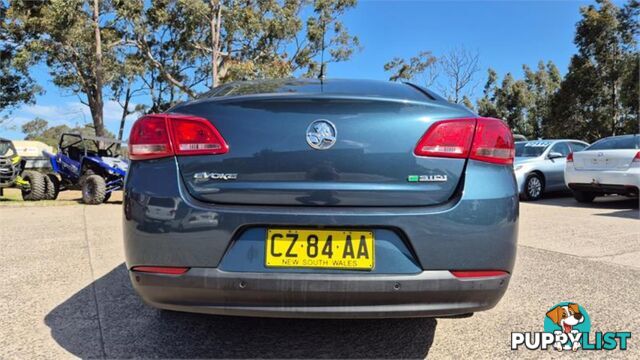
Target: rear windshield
532,148
617,143
332,86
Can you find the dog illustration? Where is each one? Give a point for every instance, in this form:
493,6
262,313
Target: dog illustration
566,316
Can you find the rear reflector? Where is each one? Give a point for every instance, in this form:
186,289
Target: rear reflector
168,270
570,157
483,139
466,274
637,157
163,135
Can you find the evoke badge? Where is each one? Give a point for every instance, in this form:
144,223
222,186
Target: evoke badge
201,176
427,178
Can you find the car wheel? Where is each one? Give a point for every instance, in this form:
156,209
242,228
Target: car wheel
533,187
584,196
37,186
52,186
93,190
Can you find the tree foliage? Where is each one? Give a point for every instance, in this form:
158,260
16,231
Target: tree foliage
599,95
218,41
456,70
38,129
168,48
523,103
76,39
16,86
413,68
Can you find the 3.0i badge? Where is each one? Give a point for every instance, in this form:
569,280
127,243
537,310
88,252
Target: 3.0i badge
427,178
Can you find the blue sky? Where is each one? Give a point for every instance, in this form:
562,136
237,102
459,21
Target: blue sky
507,34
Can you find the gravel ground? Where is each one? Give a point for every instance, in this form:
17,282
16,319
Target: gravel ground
65,293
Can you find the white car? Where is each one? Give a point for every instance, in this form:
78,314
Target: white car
609,166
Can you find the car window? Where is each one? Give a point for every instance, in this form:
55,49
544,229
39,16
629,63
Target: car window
561,148
519,148
575,146
534,148
617,143
332,86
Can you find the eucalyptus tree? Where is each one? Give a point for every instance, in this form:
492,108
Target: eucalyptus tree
76,39
191,45
598,96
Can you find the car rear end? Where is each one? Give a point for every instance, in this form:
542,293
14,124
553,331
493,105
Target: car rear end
609,166
407,206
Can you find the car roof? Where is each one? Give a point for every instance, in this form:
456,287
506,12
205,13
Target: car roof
619,136
348,87
550,141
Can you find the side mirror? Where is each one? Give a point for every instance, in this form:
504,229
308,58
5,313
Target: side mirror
555,155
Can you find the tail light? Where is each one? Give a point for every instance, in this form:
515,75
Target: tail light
636,160
570,157
469,274
483,139
167,270
163,135
448,138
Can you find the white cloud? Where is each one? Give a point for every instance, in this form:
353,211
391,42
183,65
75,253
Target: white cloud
71,113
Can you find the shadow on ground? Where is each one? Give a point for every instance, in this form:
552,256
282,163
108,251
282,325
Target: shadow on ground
622,206
128,328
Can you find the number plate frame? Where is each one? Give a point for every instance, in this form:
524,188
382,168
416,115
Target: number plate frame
301,248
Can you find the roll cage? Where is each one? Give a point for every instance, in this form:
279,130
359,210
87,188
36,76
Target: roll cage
76,146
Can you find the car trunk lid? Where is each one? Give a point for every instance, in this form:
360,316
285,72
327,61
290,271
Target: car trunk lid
270,160
603,159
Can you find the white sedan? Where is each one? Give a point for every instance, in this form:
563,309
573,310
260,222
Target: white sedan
609,166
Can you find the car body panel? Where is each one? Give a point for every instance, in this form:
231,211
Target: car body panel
213,291
484,216
605,171
552,170
470,224
274,165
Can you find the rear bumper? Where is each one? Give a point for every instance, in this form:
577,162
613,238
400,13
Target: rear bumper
426,294
475,231
603,181
605,188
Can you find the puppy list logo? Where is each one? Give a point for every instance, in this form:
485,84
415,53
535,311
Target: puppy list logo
567,326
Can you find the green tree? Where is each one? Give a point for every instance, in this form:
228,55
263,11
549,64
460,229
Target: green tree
16,86
508,101
38,129
592,102
512,100
218,41
421,65
486,105
542,85
76,39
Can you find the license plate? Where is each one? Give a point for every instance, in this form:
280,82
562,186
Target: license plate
326,249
